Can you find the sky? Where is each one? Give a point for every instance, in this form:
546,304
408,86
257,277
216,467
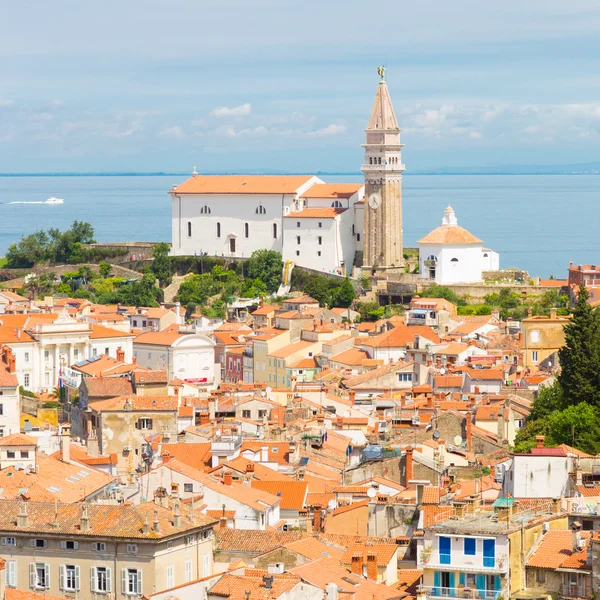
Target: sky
251,85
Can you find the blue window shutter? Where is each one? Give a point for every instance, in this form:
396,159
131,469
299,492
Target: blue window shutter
461,578
480,583
489,552
436,583
451,582
444,550
470,546
497,583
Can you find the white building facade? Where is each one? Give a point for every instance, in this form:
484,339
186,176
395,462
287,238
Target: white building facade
450,254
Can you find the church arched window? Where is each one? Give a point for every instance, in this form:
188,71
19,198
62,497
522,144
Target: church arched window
454,261
218,229
205,210
336,204
370,160
261,210
485,255
379,160
275,231
189,228
246,230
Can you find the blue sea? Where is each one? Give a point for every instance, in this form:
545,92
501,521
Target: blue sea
536,222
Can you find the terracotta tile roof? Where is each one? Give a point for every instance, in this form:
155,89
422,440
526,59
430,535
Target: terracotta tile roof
236,587
103,365
11,335
553,282
151,376
259,472
305,363
291,349
431,495
349,507
556,551
18,439
332,190
370,377
278,451
589,491
138,403
112,521
99,333
351,489
249,541
266,309
158,338
409,580
219,514
319,499
305,299
13,594
107,387
194,455
483,374
432,514
350,357
242,184
449,234
448,381
317,213
292,493
400,336
384,552
313,548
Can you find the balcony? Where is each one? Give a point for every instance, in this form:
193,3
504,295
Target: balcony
463,592
576,591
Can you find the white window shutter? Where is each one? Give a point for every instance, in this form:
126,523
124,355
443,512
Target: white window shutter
108,580
139,582
32,543
32,576
3,541
61,571
124,581
13,567
47,569
77,578
63,546
75,545
93,578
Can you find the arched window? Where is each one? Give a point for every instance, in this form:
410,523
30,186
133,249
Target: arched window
336,204
454,260
218,229
189,229
485,255
379,160
370,160
261,210
205,210
246,230
275,231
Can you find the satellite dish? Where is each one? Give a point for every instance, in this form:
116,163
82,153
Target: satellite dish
331,504
457,440
436,434
371,492
442,371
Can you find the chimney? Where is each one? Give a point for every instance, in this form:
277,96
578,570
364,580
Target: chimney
250,468
120,355
146,526
372,566
539,441
459,509
84,522
65,443
174,491
576,534
356,566
408,468
317,519
468,433
227,478
352,397
22,517
156,524
332,591
165,457
556,506
504,514
553,313
176,514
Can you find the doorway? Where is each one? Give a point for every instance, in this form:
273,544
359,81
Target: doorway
232,245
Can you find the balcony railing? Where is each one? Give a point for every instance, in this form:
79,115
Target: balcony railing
462,592
576,591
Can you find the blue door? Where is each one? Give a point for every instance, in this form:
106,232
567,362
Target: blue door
436,583
480,586
489,553
444,550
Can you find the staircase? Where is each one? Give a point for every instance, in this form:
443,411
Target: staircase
171,290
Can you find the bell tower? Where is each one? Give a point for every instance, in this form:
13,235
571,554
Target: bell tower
383,170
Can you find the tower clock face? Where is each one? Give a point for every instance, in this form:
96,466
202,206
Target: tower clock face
375,200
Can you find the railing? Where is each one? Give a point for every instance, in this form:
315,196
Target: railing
576,591
462,592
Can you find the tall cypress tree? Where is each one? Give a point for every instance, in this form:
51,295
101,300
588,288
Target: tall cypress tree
580,356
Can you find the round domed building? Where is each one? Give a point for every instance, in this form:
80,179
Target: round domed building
451,254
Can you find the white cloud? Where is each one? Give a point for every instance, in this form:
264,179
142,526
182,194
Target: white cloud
329,130
232,111
174,132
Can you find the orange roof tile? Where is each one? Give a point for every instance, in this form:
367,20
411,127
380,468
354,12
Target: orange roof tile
18,439
556,551
400,336
292,493
254,541
449,234
317,213
332,190
138,403
242,184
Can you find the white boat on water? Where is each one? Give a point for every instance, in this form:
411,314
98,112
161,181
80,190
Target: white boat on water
54,200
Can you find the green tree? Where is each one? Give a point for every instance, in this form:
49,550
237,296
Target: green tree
439,291
343,295
197,289
549,400
161,263
317,287
267,266
579,358
572,426
104,269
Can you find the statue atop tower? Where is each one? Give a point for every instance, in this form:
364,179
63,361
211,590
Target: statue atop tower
383,170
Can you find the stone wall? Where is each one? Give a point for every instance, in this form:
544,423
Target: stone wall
390,469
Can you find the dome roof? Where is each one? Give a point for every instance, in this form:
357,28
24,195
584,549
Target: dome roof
449,232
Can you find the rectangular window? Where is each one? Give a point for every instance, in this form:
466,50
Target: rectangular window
26,357
297,223
489,553
99,546
9,541
321,224
76,354
318,253
470,546
101,580
26,380
131,548
534,356
11,573
106,351
69,545
188,571
358,237
39,576
95,352
445,552
446,581
246,413
320,239
37,543
170,576
298,239
131,583
145,423
297,252
188,487
205,565
47,355
24,453
69,578
46,378
10,454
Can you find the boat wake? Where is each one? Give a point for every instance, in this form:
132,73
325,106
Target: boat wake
49,201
